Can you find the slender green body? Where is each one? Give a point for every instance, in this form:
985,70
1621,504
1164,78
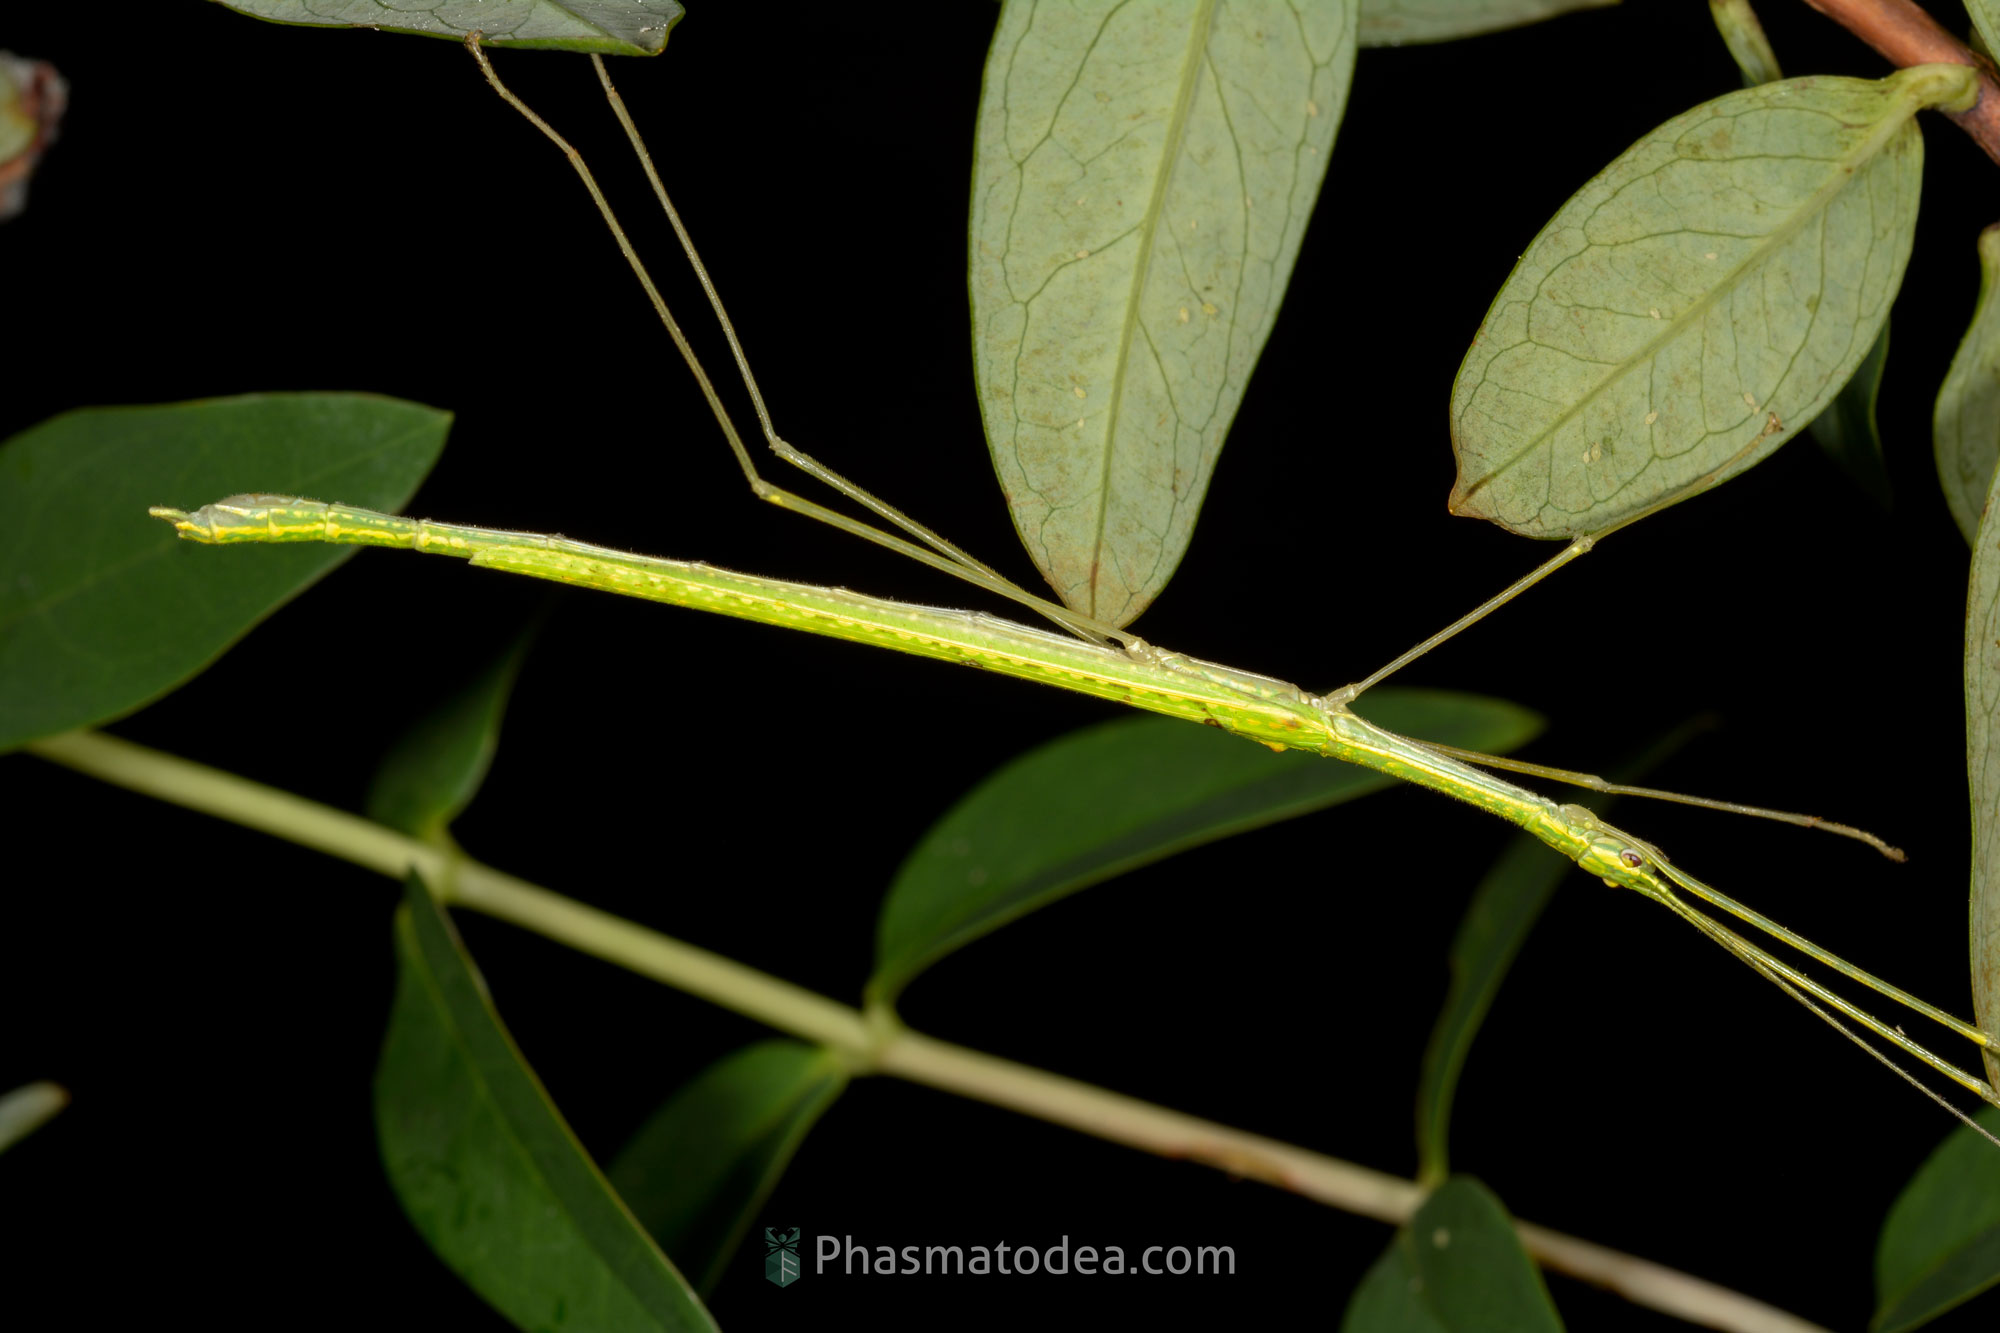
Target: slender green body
1259,708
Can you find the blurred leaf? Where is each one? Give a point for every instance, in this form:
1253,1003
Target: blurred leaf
1847,429
487,1169
1504,908
27,1108
1982,762
610,27
697,1172
103,608
1405,22
1744,36
1456,1268
1142,177
1110,798
1965,430
1940,1243
1695,304
434,770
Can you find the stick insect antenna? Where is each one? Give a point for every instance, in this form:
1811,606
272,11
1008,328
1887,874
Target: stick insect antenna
1592,782
1783,978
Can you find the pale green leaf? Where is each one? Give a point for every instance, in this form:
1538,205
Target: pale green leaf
1744,36
1695,305
1456,1268
610,27
702,1166
1940,1243
1982,761
1847,430
1965,431
1111,798
434,769
1143,174
27,1108
486,1167
1985,21
1405,22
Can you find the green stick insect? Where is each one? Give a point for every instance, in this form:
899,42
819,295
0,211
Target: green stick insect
1088,656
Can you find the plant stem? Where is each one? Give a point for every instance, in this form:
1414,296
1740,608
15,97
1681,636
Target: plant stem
872,1043
1907,35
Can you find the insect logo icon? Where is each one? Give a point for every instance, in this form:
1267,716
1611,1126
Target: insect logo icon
781,1256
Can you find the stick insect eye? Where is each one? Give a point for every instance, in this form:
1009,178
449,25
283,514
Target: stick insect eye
1631,858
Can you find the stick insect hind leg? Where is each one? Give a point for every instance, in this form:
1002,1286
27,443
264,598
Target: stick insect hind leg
934,550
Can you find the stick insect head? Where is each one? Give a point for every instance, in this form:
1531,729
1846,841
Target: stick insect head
1616,857
218,521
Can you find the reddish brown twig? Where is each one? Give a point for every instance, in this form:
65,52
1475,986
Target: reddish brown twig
1903,32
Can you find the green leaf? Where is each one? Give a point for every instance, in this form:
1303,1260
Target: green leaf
609,27
1405,22
103,609
1389,1298
1504,908
698,1171
27,1108
1940,1243
1847,429
1744,36
434,770
486,1167
1985,21
1982,762
1965,430
1142,177
1456,1268
1695,305
1110,798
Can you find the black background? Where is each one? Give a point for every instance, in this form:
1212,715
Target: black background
236,206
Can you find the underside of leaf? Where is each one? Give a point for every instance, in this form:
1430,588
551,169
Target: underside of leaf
1692,307
1144,175
609,27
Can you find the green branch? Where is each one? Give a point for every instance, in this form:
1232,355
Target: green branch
873,1042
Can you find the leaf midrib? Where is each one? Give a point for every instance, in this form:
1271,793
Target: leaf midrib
1191,66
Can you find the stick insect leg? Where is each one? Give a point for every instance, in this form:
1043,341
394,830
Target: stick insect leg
1347,694
781,447
950,561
